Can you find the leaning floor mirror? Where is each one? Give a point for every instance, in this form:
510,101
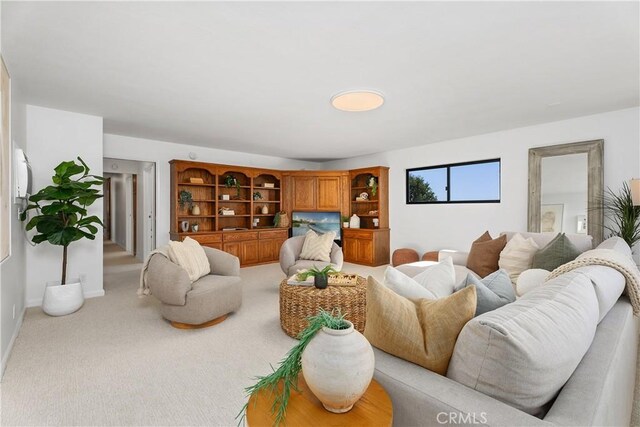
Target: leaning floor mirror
566,188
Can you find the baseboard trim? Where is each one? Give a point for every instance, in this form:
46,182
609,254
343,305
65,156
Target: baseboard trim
92,294
16,332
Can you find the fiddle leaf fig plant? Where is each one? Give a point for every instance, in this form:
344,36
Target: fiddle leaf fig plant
61,209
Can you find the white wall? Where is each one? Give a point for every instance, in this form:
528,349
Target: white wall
54,136
13,269
124,147
433,227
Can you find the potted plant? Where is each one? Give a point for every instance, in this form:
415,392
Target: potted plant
257,196
345,221
320,277
337,363
61,219
372,183
194,227
624,217
232,181
185,198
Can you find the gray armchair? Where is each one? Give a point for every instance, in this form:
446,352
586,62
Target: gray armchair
290,261
203,303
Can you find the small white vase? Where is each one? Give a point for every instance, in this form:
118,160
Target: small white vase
60,300
338,365
195,210
265,209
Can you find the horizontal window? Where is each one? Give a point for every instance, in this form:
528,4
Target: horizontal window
471,182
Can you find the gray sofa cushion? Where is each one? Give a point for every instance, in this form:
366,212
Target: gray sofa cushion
168,281
559,251
583,242
617,244
608,284
493,291
524,352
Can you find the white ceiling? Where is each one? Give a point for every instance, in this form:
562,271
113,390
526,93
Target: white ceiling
258,77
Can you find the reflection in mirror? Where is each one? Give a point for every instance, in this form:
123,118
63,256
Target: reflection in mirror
566,186
563,193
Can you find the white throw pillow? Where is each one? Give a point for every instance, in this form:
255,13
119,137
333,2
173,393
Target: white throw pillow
317,247
189,255
517,256
440,279
405,286
531,279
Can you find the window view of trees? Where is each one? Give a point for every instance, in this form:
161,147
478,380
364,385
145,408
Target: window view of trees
420,190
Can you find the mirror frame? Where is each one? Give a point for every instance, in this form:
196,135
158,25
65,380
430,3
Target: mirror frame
595,183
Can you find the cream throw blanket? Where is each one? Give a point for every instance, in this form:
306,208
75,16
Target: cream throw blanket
143,289
609,258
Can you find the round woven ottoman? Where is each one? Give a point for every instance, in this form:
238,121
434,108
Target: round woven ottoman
297,303
404,256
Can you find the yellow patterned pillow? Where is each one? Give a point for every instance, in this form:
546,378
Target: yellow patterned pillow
421,331
189,255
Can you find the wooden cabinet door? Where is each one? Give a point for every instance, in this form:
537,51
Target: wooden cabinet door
213,245
328,196
234,248
269,250
365,251
350,249
250,252
304,193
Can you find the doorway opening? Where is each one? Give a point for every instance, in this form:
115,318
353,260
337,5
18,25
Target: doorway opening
129,207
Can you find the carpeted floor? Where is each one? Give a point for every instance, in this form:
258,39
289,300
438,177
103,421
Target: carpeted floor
117,362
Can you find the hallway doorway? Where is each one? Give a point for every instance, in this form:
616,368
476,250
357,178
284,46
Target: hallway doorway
130,205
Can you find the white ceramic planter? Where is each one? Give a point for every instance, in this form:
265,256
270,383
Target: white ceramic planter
338,366
60,300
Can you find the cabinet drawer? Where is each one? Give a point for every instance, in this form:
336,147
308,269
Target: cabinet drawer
238,237
274,234
209,238
348,233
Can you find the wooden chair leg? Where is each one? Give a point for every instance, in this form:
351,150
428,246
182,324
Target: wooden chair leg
215,321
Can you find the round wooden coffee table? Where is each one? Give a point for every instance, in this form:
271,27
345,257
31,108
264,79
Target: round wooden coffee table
297,303
373,409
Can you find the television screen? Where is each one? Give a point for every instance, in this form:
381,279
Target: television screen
320,222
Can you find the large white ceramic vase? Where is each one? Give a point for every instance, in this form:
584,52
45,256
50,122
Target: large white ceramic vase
60,300
338,365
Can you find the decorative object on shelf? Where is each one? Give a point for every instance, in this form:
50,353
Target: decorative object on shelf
194,227
372,183
226,211
345,221
364,196
354,222
265,209
344,358
269,185
232,181
374,212
185,198
62,221
257,195
194,180
376,222
195,210
256,221
184,225
624,217
225,197
281,219
320,277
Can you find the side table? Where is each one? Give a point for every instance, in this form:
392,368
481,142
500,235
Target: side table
373,409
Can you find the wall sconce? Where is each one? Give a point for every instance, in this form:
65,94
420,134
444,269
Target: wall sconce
635,191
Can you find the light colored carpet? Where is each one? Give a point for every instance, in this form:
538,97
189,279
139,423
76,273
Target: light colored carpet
116,362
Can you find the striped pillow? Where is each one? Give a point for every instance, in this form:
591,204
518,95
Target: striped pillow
190,256
317,247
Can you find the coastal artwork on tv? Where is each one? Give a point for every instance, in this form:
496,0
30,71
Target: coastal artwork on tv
320,222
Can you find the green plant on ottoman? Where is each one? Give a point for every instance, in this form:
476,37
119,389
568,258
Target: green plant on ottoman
61,219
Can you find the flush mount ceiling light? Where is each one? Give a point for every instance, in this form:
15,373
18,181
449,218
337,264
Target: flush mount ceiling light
357,100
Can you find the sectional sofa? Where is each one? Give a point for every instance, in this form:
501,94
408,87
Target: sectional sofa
576,334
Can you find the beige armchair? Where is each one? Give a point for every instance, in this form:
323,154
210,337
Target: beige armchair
203,303
290,261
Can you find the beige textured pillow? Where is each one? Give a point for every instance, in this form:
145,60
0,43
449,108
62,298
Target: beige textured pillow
517,256
190,256
317,247
421,331
484,254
